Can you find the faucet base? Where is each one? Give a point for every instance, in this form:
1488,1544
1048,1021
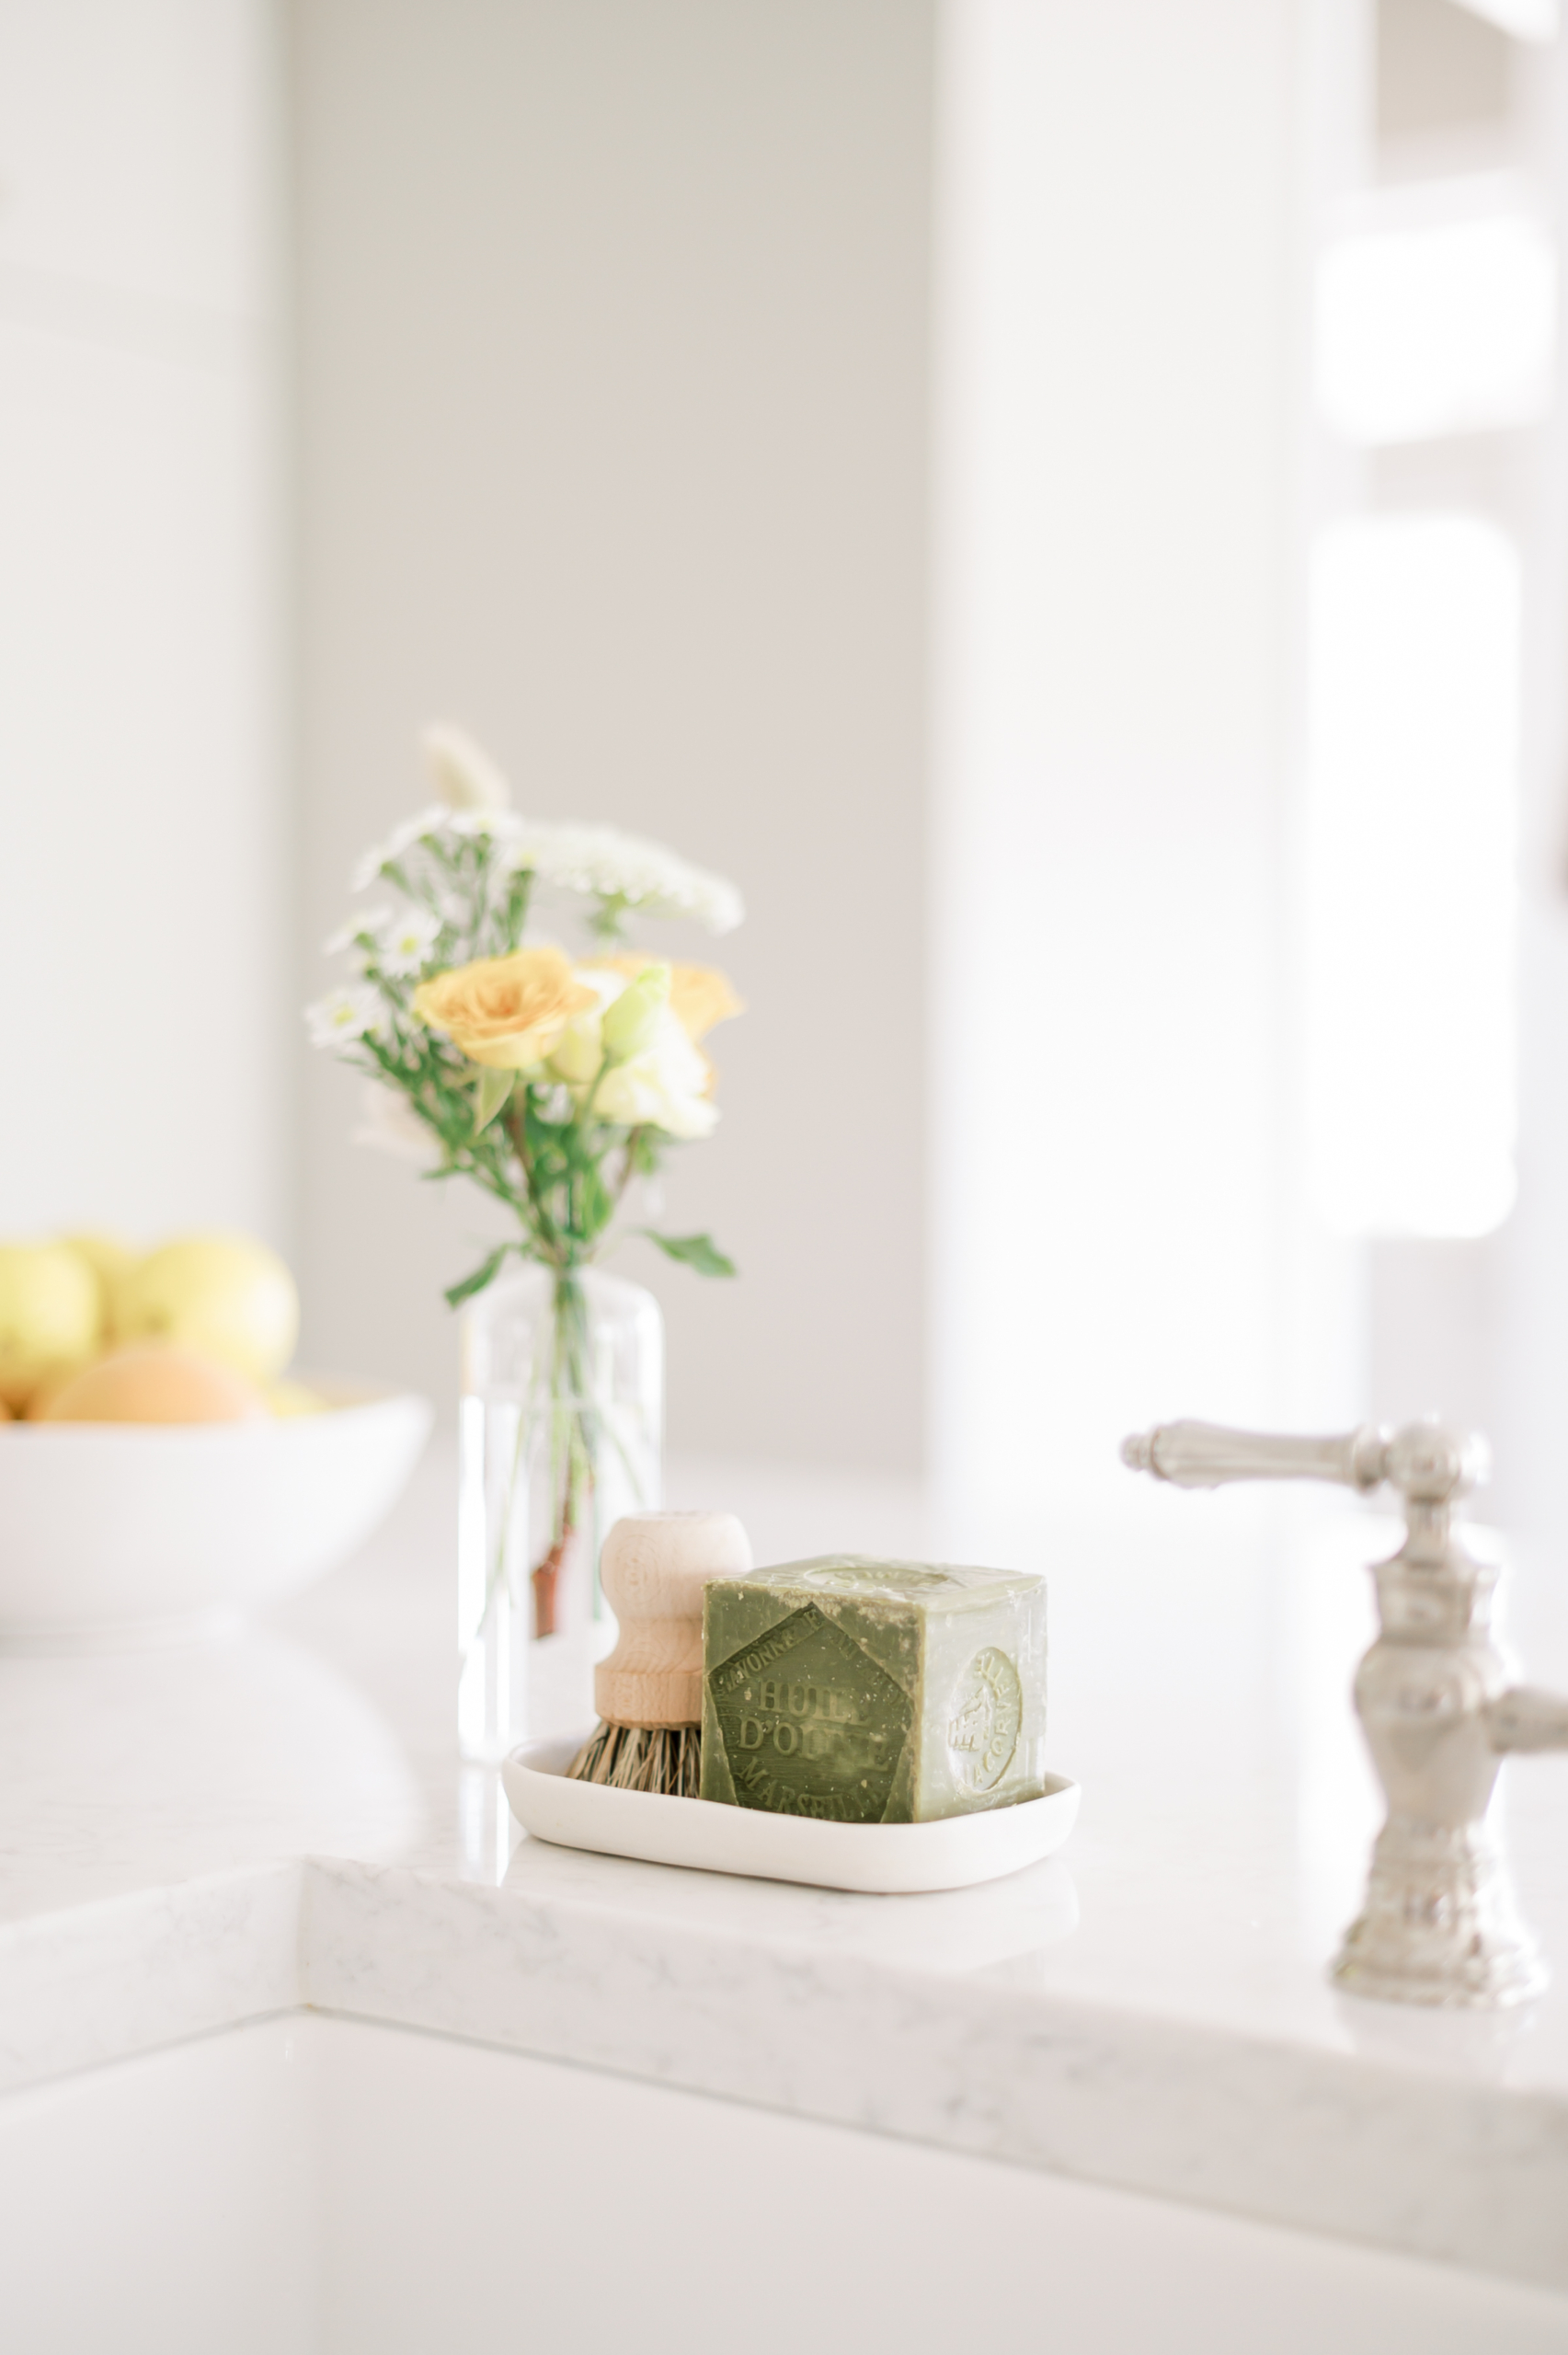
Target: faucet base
1440,1926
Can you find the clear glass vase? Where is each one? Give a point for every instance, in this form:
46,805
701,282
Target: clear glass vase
562,1424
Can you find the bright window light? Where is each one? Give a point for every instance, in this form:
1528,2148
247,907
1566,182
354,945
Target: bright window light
1449,328
1526,19
1413,724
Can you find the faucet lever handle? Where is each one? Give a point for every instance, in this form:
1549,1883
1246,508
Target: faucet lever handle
1428,1465
1205,1455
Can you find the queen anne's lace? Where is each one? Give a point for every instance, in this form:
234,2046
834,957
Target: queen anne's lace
605,863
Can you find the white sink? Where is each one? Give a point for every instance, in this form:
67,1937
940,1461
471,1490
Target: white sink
314,2186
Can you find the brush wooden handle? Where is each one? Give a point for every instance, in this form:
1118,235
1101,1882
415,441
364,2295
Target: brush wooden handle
654,1566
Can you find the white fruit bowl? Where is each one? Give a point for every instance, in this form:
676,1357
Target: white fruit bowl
125,1534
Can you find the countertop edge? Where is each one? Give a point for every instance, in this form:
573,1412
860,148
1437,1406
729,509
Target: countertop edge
1461,2171
1464,2172
93,1983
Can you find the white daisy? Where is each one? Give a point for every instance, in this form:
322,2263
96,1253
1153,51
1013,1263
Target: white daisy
402,837
406,939
503,824
365,926
343,1015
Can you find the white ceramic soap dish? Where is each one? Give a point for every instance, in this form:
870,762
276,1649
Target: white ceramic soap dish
884,1859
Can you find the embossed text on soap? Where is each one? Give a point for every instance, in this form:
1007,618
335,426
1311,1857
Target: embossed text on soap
811,1725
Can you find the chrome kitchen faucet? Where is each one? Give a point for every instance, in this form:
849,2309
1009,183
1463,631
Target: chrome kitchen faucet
1439,1923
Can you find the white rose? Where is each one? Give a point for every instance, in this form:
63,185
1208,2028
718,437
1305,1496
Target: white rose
580,1051
664,1087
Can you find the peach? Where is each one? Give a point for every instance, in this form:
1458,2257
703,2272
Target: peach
156,1382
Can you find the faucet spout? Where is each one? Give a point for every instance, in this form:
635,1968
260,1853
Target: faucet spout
1526,1719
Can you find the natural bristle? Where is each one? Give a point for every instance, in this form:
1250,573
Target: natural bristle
666,1759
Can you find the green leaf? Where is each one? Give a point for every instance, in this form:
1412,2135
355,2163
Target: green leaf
482,1275
492,1092
698,1251
596,1204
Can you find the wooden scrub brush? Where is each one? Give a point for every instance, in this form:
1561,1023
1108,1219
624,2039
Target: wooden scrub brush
649,1693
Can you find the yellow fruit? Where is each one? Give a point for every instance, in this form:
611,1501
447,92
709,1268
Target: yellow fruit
49,1312
156,1382
288,1399
222,1293
48,1388
106,1256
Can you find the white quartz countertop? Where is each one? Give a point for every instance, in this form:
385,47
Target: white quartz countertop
190,1838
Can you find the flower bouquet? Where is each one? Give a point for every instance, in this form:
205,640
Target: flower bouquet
555,1082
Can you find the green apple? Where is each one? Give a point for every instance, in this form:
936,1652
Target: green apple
108,1259
224,1293
51,1314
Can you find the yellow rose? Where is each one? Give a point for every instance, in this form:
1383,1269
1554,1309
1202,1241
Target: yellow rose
507,1012
699,995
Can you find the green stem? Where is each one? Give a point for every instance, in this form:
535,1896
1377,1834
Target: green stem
571,1439
587,1112
518,896
628,1167
516,1121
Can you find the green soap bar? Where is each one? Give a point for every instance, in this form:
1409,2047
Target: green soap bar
864,1692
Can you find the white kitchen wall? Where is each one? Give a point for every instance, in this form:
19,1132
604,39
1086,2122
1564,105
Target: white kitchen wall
612,395
1117,282
619,394
144,962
